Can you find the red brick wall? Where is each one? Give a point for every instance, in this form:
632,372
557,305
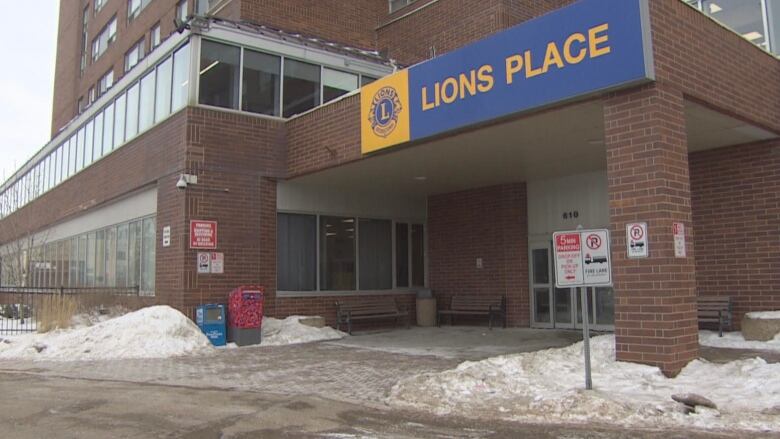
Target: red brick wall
648,181
736,213
702,59
489,223
236,158
348,22
327,137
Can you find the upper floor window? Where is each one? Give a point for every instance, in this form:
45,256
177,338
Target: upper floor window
181,10
106,82
398,4
746,17
154,36
99,5
84,39
104,39
134,7
134,55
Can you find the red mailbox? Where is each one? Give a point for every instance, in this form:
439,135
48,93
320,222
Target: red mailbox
245,315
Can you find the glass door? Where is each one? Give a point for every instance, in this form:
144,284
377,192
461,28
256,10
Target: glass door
541,286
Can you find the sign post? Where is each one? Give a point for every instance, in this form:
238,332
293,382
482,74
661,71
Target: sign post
582,260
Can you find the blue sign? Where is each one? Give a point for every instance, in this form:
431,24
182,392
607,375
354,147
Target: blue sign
588,47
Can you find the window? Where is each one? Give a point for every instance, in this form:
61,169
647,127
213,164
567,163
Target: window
181,10
134,255
121,255
104,39
88,143
108,129
134,55
301,87
106,82
398,4
261,83
219,71
90,96
337,253
131,119
146,107
181,79
90,281
365,80
81,105
148,256
80,149
162,104
154,36
84,40
111,254
418,255
336,83
134,7
99,5
97,150
375,238
120,106
100,258
745,17
297,252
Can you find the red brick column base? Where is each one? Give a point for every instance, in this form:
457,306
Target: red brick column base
647,167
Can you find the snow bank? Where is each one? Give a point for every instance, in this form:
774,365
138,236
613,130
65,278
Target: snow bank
735,340
290,331
764,315
154,332
547,387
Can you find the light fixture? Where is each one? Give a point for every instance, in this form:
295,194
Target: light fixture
421,178
714,8
348,220
752,36
209,67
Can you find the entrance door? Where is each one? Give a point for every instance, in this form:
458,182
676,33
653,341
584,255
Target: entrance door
560,307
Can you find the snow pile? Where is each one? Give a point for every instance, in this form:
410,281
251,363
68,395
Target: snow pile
548,387
764,315
154,332
735,340
290,331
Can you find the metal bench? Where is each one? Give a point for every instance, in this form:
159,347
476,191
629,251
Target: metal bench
369,309
715,309
488,306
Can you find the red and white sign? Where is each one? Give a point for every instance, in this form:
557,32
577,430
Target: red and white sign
203,234
636,240
678,231
582,258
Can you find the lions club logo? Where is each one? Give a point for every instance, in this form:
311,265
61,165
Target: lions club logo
385,107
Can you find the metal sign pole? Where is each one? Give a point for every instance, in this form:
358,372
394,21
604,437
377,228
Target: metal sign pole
586,336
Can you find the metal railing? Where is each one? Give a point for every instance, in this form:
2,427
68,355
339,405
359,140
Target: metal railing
20,307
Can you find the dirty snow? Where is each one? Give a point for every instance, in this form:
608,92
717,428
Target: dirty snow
735,340
290,331
548,386
154,332
764,315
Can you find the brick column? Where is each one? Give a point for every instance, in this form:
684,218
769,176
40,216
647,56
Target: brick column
647,167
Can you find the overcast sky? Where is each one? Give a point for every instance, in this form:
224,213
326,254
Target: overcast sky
26,80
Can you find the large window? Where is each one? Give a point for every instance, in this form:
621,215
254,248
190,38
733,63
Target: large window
131,119
162,104
337,253
336,83
748,18
219,72
261,83
147,103
297,252
106,82
148,255
181,78
104,39
301,87
376,254
120,113
347,253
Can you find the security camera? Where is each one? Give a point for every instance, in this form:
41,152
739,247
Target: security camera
182,183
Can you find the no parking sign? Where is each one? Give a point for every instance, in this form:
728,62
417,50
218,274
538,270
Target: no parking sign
582,258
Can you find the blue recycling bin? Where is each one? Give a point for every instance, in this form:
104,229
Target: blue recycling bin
211,320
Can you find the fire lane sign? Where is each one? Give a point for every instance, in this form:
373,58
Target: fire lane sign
582,258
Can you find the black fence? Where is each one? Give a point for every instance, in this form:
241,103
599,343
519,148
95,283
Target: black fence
19,306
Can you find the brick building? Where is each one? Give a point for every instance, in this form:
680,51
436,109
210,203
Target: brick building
331,171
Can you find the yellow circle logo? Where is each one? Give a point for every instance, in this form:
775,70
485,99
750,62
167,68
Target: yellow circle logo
385,107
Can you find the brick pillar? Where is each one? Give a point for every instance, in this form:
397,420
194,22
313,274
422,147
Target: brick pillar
647,167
